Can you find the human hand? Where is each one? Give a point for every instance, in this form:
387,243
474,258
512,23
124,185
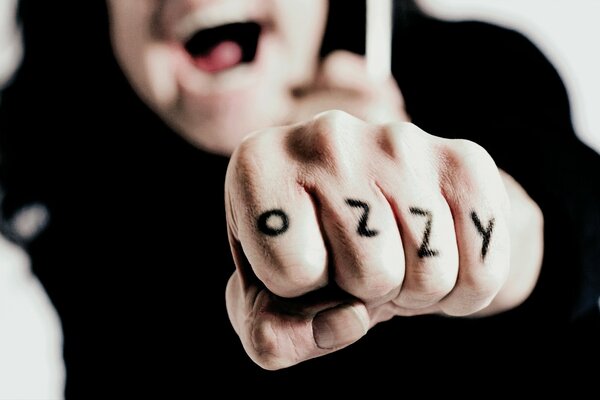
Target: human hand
342,83
336,225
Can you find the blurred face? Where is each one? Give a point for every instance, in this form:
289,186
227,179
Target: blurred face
216,70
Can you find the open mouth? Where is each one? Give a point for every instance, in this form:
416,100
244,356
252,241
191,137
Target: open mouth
226,46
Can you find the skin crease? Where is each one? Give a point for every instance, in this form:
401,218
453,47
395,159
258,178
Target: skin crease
319,162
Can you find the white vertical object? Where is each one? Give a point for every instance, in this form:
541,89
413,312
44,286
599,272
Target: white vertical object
10,40
379,39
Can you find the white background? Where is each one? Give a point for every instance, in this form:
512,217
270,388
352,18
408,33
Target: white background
567,31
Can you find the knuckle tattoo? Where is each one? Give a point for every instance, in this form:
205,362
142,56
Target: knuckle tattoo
362,228
424,249
273,222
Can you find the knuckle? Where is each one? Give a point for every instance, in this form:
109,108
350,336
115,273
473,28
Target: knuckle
473,158
258,145
319,140
256,161
292,273
467,148
294,279
429,286
324,141
332,128
483,284
392,140
244,160
466,167
331,120
248,146
368,284
403,142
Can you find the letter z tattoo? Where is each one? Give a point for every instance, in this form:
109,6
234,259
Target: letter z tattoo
424,249
363,229
486,233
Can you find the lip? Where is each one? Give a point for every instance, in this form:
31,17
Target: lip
194,82
182,20
205,19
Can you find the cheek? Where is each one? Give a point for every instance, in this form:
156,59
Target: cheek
146,61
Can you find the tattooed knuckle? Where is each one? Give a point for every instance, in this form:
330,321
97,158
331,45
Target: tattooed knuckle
363,229
273,222
425,250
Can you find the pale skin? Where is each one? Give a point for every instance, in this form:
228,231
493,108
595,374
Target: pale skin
338,220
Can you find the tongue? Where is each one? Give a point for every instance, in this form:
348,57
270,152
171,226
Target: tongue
224,55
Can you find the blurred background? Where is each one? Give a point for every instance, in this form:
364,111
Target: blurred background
30,337
566,31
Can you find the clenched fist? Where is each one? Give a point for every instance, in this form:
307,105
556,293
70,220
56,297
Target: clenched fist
336,225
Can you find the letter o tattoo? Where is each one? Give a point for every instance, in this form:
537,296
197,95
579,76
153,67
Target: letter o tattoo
273,222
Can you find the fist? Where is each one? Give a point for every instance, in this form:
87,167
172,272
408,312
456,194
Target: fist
336,225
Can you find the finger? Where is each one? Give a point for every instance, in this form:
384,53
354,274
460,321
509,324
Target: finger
343,83
278,333
366,250
367,253
274,219
382,100
423,216
479,204
343,69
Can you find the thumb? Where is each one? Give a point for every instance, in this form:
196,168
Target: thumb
339,326
278,333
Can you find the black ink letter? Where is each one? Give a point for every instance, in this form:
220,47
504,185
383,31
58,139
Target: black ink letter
362,229
425,250
485,233
265,223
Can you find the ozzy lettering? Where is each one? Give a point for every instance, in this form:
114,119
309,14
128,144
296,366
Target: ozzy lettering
276,222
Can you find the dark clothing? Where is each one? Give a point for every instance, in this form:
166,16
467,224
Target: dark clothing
136,259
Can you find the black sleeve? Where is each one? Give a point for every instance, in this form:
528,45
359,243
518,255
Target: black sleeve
491,85
560,173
